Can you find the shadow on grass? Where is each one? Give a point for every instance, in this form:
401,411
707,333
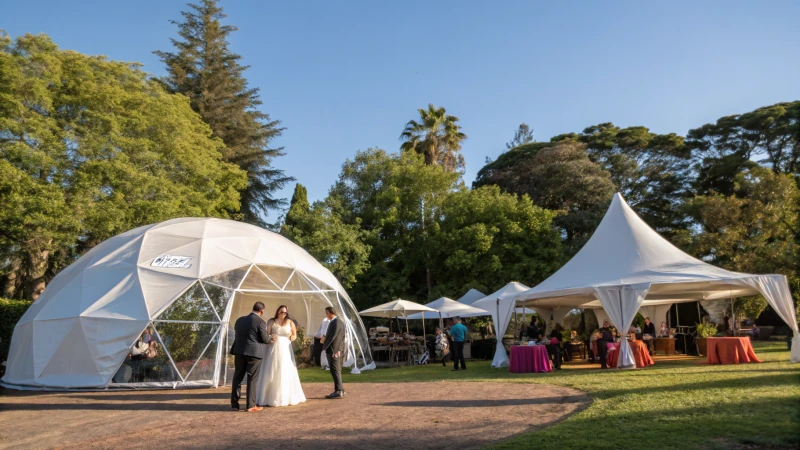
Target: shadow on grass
491,403
771,423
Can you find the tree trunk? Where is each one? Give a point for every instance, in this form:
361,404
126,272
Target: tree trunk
36,276
10,287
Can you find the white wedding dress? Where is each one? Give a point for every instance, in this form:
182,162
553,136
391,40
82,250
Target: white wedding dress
279,383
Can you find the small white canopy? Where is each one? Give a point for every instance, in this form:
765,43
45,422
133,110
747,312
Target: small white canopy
626,265
471,297
396,308
501,314
449,308
399,308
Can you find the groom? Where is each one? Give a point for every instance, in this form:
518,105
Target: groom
333,346
248,348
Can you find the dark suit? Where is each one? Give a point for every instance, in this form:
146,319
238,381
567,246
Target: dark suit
248,348
334,342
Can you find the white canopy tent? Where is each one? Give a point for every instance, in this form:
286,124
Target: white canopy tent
399,308
184,282
449,308
501,311
626,266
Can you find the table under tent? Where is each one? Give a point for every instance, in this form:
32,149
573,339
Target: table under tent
626,267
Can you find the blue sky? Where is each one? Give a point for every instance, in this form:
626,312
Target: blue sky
344,76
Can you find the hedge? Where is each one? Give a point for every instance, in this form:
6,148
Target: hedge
10,313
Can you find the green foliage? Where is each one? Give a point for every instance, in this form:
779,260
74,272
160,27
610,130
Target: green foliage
706,329
559,177
341,247
754,232
523,135
724,149
10,313
205,70
437,136
651,171
397,198
487,237
91,148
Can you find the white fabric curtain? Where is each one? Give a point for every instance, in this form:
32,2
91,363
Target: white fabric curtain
505,308
656,313
621,304
775,290
601,316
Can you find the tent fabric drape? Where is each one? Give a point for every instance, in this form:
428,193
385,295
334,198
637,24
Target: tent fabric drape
775,289
505,309
621,303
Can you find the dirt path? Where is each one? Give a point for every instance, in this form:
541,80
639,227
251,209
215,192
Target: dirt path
372,416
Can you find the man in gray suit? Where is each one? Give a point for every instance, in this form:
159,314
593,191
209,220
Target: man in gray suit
248,348
333,346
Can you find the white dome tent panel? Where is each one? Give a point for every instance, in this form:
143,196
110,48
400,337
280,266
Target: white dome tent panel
179,284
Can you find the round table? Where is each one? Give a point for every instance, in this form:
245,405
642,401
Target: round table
730,350
640,354
529,358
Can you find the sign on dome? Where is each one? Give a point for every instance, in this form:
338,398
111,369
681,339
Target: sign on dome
172,262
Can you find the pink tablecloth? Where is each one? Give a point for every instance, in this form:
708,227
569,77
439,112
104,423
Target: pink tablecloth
529,358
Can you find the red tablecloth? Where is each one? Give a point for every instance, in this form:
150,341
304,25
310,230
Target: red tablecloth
529,358
640,354
730,350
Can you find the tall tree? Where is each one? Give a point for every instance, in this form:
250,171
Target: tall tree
756,231
397,198
298,207
523,135
561,177
487,237
727,147
90,148
342,247
437,136
204,69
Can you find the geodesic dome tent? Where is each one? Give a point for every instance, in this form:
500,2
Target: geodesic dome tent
182,283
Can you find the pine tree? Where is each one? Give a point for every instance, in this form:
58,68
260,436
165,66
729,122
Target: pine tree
298,206
204,69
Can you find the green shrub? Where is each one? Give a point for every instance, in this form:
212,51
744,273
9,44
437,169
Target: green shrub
10,313
706,329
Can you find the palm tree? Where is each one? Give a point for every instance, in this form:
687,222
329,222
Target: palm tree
437,136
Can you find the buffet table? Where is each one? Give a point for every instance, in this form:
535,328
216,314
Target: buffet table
529,358
640,354
730,350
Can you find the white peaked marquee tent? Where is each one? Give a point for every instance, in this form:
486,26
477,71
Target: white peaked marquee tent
627,266
184,282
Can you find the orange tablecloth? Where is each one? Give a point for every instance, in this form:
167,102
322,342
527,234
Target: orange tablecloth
730,350
640,354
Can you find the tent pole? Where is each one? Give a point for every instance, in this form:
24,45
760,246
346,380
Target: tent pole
516,332
733,319
424,342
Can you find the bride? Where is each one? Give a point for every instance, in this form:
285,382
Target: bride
279,384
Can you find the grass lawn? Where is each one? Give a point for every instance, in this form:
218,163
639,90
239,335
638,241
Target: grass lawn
674,404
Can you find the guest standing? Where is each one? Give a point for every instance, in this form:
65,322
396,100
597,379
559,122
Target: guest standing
554,349
649,328
604,336
316,352
459,333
